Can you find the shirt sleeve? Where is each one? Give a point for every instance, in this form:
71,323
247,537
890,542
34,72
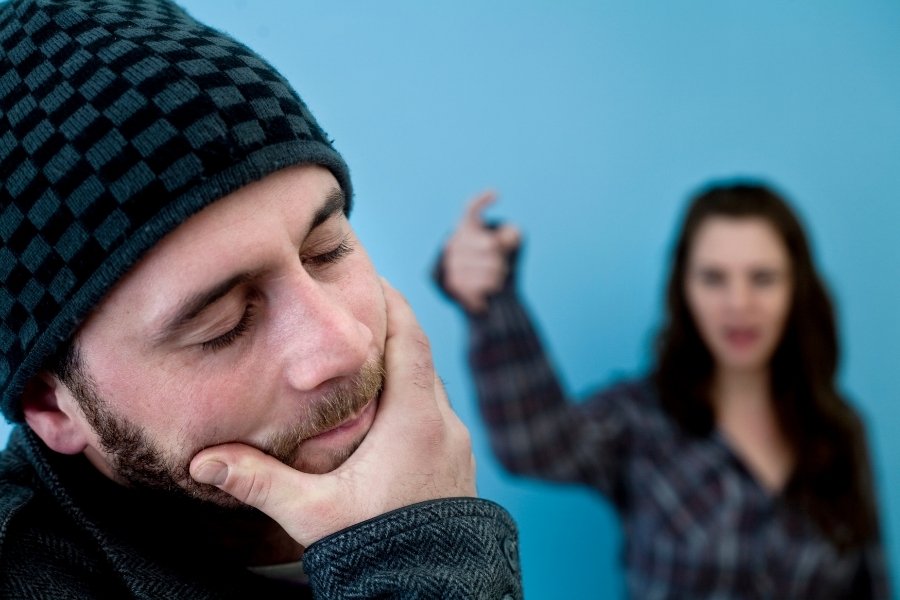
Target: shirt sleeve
535,429
872,580
451,548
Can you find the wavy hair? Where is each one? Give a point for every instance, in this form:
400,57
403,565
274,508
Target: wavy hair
831,480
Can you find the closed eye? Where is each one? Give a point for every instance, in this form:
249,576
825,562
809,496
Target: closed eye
344,248
228,338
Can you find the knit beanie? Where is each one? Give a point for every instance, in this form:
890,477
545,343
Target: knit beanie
119,120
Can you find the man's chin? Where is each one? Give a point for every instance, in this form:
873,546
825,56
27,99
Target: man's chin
328,451
181,488
220,499
318,461
312,460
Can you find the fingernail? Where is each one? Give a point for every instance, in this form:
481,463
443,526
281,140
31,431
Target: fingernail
212,472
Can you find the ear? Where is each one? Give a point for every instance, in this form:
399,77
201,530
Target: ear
52,412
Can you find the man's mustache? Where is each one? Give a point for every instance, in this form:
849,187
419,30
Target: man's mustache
334,407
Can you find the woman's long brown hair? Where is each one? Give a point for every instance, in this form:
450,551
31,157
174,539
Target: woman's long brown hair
831,479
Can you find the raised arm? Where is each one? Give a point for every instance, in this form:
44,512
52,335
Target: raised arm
534,429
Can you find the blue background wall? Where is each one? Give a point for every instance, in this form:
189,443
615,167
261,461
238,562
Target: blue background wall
595,120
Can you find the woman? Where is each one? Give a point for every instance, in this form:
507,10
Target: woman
736,467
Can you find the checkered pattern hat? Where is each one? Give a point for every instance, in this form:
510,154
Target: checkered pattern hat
118,120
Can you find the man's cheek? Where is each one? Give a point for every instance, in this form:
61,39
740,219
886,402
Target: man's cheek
210,408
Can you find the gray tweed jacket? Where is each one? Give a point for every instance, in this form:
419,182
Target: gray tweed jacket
68,532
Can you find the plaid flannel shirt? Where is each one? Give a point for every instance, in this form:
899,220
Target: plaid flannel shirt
696,522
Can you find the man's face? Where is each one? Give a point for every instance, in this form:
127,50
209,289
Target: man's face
259,320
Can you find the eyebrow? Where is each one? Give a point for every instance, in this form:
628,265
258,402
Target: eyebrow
335,202
188,308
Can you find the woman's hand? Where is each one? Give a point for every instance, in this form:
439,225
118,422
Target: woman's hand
476,258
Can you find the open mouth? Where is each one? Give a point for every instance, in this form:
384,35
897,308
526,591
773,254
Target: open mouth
742,337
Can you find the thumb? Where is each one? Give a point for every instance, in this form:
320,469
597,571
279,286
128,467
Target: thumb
261,481
508,237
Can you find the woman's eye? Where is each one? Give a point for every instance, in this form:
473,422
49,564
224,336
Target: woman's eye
711,278
764,279
332,256
228,338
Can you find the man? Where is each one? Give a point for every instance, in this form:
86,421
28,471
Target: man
210,379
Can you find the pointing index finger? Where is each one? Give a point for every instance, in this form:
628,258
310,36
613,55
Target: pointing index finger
476,206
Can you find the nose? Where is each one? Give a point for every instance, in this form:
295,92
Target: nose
739,295
320,337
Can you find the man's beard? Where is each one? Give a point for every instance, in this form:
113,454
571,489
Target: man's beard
138,461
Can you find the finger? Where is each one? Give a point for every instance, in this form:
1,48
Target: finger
443,399
400,316
477,279
476,206
508,237
461,439
256,479
407,353
455,426
473,241
469,271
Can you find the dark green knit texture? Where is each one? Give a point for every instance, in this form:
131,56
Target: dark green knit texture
118,121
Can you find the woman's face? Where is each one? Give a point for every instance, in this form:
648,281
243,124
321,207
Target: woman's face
738,285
